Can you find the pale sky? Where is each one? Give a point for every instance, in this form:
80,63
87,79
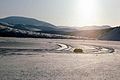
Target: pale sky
65,12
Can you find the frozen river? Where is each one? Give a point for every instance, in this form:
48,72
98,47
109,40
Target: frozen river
54,59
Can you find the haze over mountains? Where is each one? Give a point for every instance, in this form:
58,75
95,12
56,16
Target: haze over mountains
94,27
23,27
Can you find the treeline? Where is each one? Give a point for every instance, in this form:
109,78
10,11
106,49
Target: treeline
11,32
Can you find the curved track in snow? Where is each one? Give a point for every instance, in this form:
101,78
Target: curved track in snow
18,46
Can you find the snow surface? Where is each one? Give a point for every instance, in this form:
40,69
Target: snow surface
53,64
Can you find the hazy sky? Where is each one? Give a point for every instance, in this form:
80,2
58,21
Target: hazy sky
65,12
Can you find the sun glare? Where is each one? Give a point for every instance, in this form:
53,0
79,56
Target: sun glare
87,11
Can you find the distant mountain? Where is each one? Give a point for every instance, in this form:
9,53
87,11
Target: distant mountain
94,27
67,28
25,23
15,26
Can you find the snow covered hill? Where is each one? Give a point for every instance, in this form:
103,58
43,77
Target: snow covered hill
28,23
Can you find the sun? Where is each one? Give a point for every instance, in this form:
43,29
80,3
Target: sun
88,11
